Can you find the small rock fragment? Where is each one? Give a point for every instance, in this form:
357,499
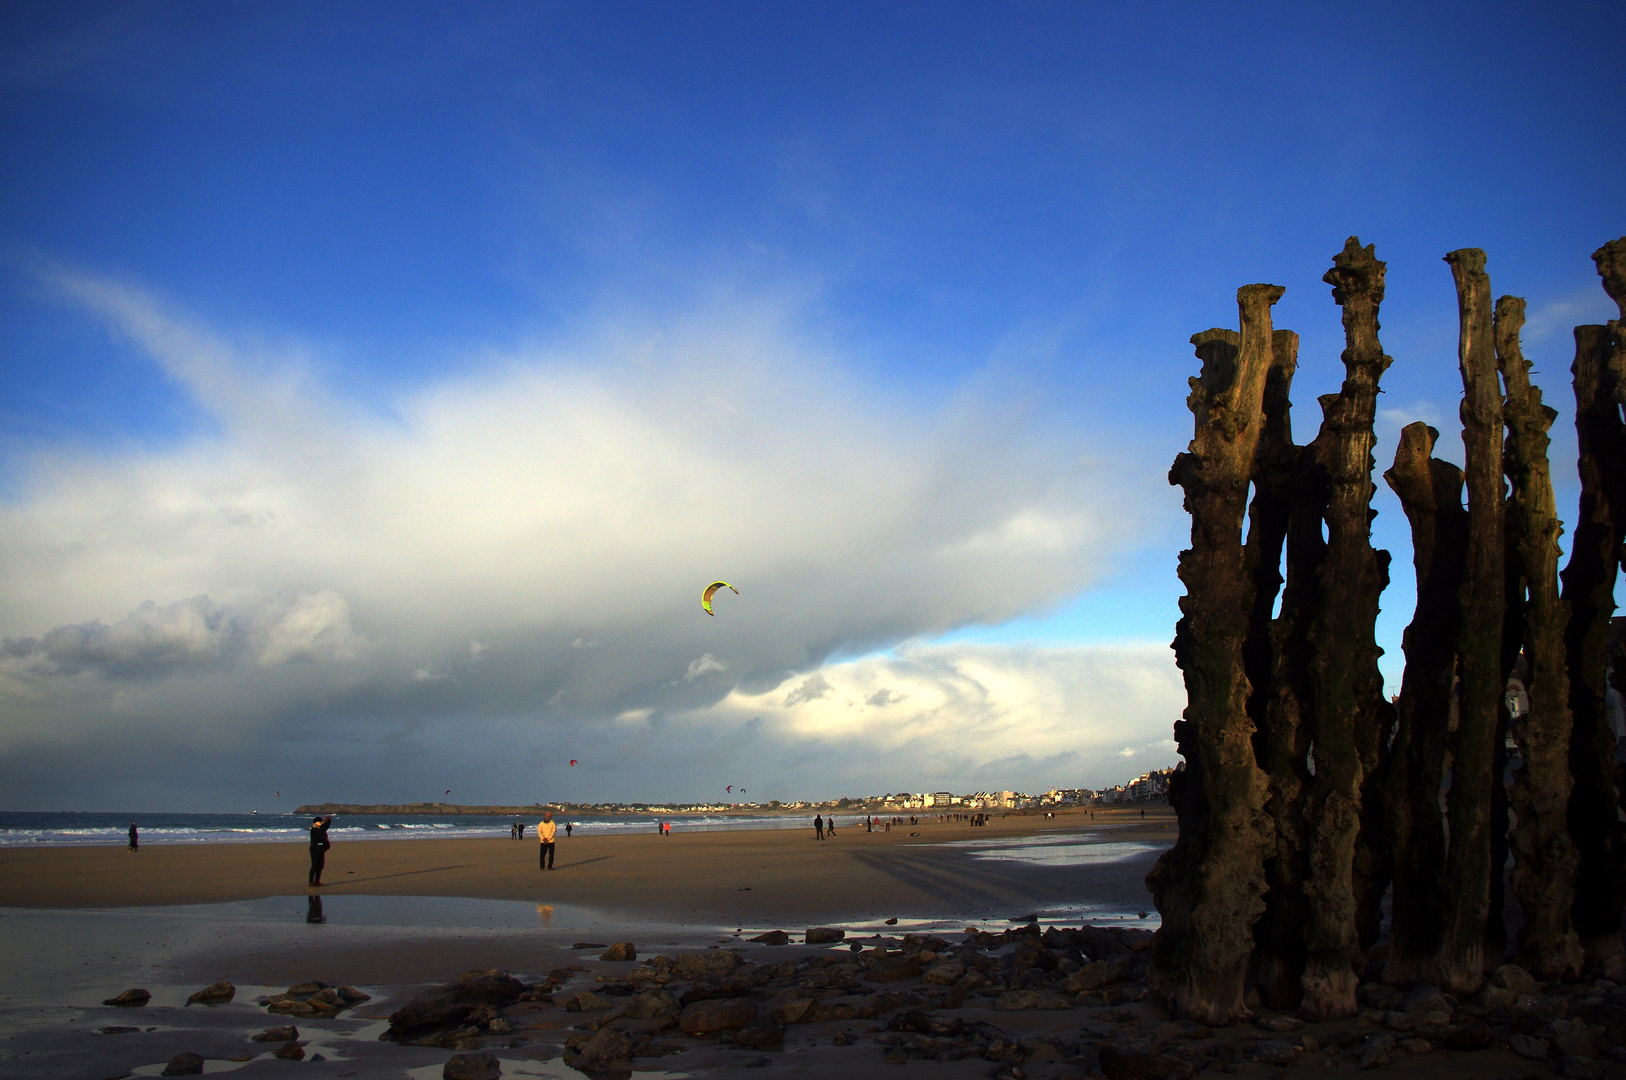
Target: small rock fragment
621,950
773,937
587,1001
472,1067
187,1064
130,999
280,1033
214,994
289,1051
1528,1046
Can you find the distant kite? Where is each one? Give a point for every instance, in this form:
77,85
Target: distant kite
711,590
731,789
448,791
572,763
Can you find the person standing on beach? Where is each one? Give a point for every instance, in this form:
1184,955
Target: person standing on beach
818,826
135,838
319,846
568,827
545,832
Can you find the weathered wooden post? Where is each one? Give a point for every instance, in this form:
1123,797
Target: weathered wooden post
1545,859
1209,886
1430,492
1468,859
1347,692
1589,590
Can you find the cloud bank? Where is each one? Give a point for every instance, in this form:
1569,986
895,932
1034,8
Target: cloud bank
521,549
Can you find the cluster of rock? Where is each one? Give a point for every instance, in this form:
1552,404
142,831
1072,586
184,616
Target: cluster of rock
1307,795
719,996
316,1000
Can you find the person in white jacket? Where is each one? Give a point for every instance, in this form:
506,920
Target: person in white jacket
545,830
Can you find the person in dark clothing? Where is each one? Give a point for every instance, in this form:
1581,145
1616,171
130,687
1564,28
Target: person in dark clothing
135,838
319,846
818,826
569,827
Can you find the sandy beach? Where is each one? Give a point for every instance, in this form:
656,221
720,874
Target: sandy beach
920,871
939,971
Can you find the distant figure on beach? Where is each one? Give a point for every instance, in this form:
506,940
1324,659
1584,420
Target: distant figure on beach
1143,815
135,838
513,831
520,825
545,832
830,826
818,826
319,846
569,826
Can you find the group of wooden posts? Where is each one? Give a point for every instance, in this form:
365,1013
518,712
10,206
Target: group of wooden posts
1308,801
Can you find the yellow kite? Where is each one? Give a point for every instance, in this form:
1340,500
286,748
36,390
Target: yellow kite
711,590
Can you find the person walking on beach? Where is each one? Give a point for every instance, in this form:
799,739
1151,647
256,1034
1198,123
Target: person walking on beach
818,826
830,826
545,832
319,846
135,838
569,826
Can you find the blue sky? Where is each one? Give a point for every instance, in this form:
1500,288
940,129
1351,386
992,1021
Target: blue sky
903,286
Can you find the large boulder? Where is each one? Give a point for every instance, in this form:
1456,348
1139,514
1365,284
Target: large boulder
708,1017
621,950
607,1049
708,964
452,1003
587,1001
824,935
761,1037
1094,976
650,1004
773,937
187,1064
1015,1000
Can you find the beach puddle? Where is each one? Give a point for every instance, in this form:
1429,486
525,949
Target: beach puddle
1053,850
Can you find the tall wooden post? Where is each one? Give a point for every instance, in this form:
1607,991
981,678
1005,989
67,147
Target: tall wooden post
1468,860
1209,887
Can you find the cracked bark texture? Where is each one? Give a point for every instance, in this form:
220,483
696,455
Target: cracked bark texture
1430,492
1468,866
1545,858
1347,687
1210,886
1589,579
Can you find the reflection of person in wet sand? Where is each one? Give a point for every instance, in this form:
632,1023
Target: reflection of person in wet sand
313,909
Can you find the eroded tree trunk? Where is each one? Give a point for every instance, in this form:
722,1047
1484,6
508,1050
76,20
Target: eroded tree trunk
1545,859
1210,886
1278,957
1347,686
1430,492
1589,590
1473,752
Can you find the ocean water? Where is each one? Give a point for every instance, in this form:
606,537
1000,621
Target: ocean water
57,829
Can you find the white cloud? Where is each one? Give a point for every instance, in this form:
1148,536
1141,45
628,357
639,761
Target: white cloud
533,535
703,666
